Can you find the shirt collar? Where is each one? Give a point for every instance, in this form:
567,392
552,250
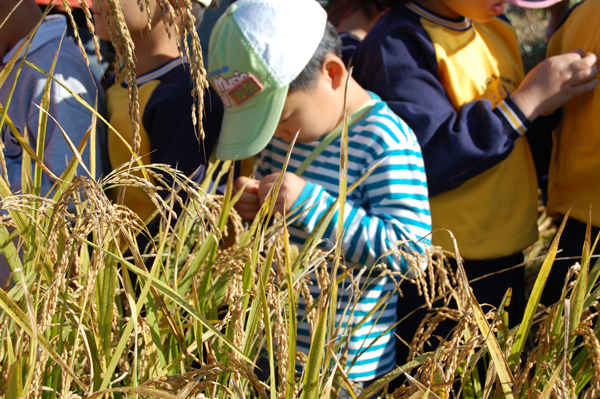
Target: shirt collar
460,24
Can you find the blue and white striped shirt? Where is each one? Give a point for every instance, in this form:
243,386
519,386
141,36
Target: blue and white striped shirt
388,207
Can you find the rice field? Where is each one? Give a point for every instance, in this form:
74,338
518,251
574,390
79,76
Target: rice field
209,308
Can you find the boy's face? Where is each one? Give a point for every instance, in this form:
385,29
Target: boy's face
477,10
314,112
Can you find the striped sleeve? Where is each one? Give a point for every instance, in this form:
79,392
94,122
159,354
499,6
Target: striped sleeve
393,211
513,120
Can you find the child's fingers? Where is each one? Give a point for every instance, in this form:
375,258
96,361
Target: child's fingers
247,197
584,76
583,88
584,64
263,190
247,215
247,206
247,210
249,185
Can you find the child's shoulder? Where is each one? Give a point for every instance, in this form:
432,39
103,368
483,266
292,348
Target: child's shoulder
167,83
579,29
382,125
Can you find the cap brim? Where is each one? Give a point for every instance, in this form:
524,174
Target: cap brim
534,4
246,132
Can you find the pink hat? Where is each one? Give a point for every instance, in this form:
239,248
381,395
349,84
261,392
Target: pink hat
534,3
59,6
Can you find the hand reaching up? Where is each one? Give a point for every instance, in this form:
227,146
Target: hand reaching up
555,81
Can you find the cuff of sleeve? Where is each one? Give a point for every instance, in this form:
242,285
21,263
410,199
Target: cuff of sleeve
513,119
306,197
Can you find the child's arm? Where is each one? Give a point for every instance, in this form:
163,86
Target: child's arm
555,81
456,145
393,207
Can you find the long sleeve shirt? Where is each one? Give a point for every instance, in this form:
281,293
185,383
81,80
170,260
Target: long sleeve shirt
451,80
390,208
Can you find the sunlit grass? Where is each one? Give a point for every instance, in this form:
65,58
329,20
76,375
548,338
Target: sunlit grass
92,314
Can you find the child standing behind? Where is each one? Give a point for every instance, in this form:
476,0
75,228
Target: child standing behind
575,166
167,131
277,82
452,70
18,19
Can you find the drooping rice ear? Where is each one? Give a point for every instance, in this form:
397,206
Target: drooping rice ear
123,44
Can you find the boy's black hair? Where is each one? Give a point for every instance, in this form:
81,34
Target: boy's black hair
330,43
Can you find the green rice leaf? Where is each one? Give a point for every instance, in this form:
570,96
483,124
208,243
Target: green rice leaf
312,372
43,123
77,97
17,315
106,285
169,293
547,392
15,380
578,295
504,374
9,251
267,319
534,299
292,326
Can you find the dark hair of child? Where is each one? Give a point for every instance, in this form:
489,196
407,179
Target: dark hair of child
341,8
330,43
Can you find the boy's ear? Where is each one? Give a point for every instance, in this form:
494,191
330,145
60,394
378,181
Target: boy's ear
335,70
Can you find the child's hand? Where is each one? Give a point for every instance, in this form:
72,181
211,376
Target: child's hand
290,190
555,81
248,204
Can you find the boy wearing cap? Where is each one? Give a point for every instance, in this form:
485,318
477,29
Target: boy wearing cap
452,70
275,84
575,165
168,135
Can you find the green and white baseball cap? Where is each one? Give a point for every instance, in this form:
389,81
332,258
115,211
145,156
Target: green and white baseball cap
256,49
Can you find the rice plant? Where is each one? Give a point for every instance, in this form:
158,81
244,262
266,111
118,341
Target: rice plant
208,308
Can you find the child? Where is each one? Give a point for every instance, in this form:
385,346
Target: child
167,131
275,82
70,69
452,70
575,166
353,19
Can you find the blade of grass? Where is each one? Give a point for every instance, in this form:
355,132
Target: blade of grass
534,299
98,115
15,380
292,303
169,293
312,372
267,320
17,315
26,147
579,292
504,374
43,124
547,392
